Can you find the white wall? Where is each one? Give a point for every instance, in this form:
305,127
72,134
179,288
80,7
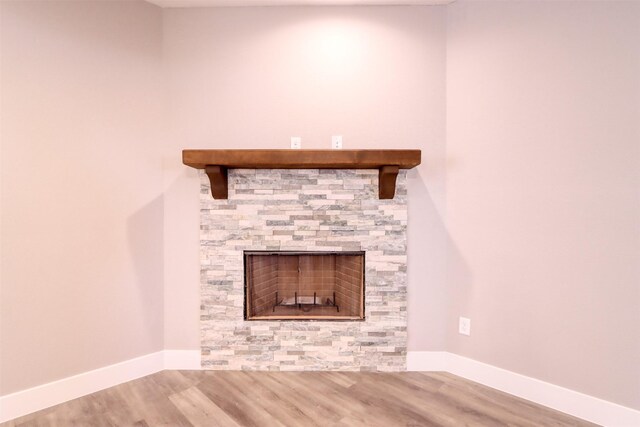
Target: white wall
82,203
543,200
254,77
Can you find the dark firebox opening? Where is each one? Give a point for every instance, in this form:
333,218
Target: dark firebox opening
304,285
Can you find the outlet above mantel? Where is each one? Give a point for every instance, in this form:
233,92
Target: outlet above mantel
216,163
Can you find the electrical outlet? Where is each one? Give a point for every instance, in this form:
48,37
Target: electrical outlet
296,142
464,326
336,142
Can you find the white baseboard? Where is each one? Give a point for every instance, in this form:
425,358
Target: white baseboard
182,359
562,399
34,399
428,361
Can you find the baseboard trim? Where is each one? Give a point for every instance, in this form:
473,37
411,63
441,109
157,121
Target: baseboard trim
182,359
562,399
34,399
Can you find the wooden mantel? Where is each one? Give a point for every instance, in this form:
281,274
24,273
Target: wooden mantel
217,162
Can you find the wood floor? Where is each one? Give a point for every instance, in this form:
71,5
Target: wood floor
215,398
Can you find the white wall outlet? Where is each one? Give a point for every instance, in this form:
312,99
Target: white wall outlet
296,142
464,326
336,142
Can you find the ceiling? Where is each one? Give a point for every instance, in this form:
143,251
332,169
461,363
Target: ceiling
229,3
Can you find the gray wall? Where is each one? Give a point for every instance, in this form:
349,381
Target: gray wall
534,236
254,77
82,207
543,194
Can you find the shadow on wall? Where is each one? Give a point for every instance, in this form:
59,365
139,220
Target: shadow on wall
459,283
436,269
182,254
146,246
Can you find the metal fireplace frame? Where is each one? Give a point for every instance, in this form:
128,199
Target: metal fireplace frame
303,300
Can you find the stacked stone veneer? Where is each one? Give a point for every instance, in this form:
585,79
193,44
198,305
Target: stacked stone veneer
310,210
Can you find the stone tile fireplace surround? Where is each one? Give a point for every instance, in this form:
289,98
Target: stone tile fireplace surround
303,210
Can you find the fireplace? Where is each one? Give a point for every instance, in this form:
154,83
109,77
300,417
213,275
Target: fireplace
284,212
288,285
271,212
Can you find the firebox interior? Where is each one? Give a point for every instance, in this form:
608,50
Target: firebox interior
304,285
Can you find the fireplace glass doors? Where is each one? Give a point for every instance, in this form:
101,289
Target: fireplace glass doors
304,285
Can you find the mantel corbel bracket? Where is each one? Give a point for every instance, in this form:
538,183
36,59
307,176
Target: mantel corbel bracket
387,181
219,182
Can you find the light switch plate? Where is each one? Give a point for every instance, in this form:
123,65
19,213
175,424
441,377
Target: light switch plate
296,142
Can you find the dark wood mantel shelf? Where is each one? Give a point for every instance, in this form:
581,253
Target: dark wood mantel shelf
217,162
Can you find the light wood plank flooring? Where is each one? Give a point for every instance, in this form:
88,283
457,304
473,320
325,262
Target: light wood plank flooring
234,398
